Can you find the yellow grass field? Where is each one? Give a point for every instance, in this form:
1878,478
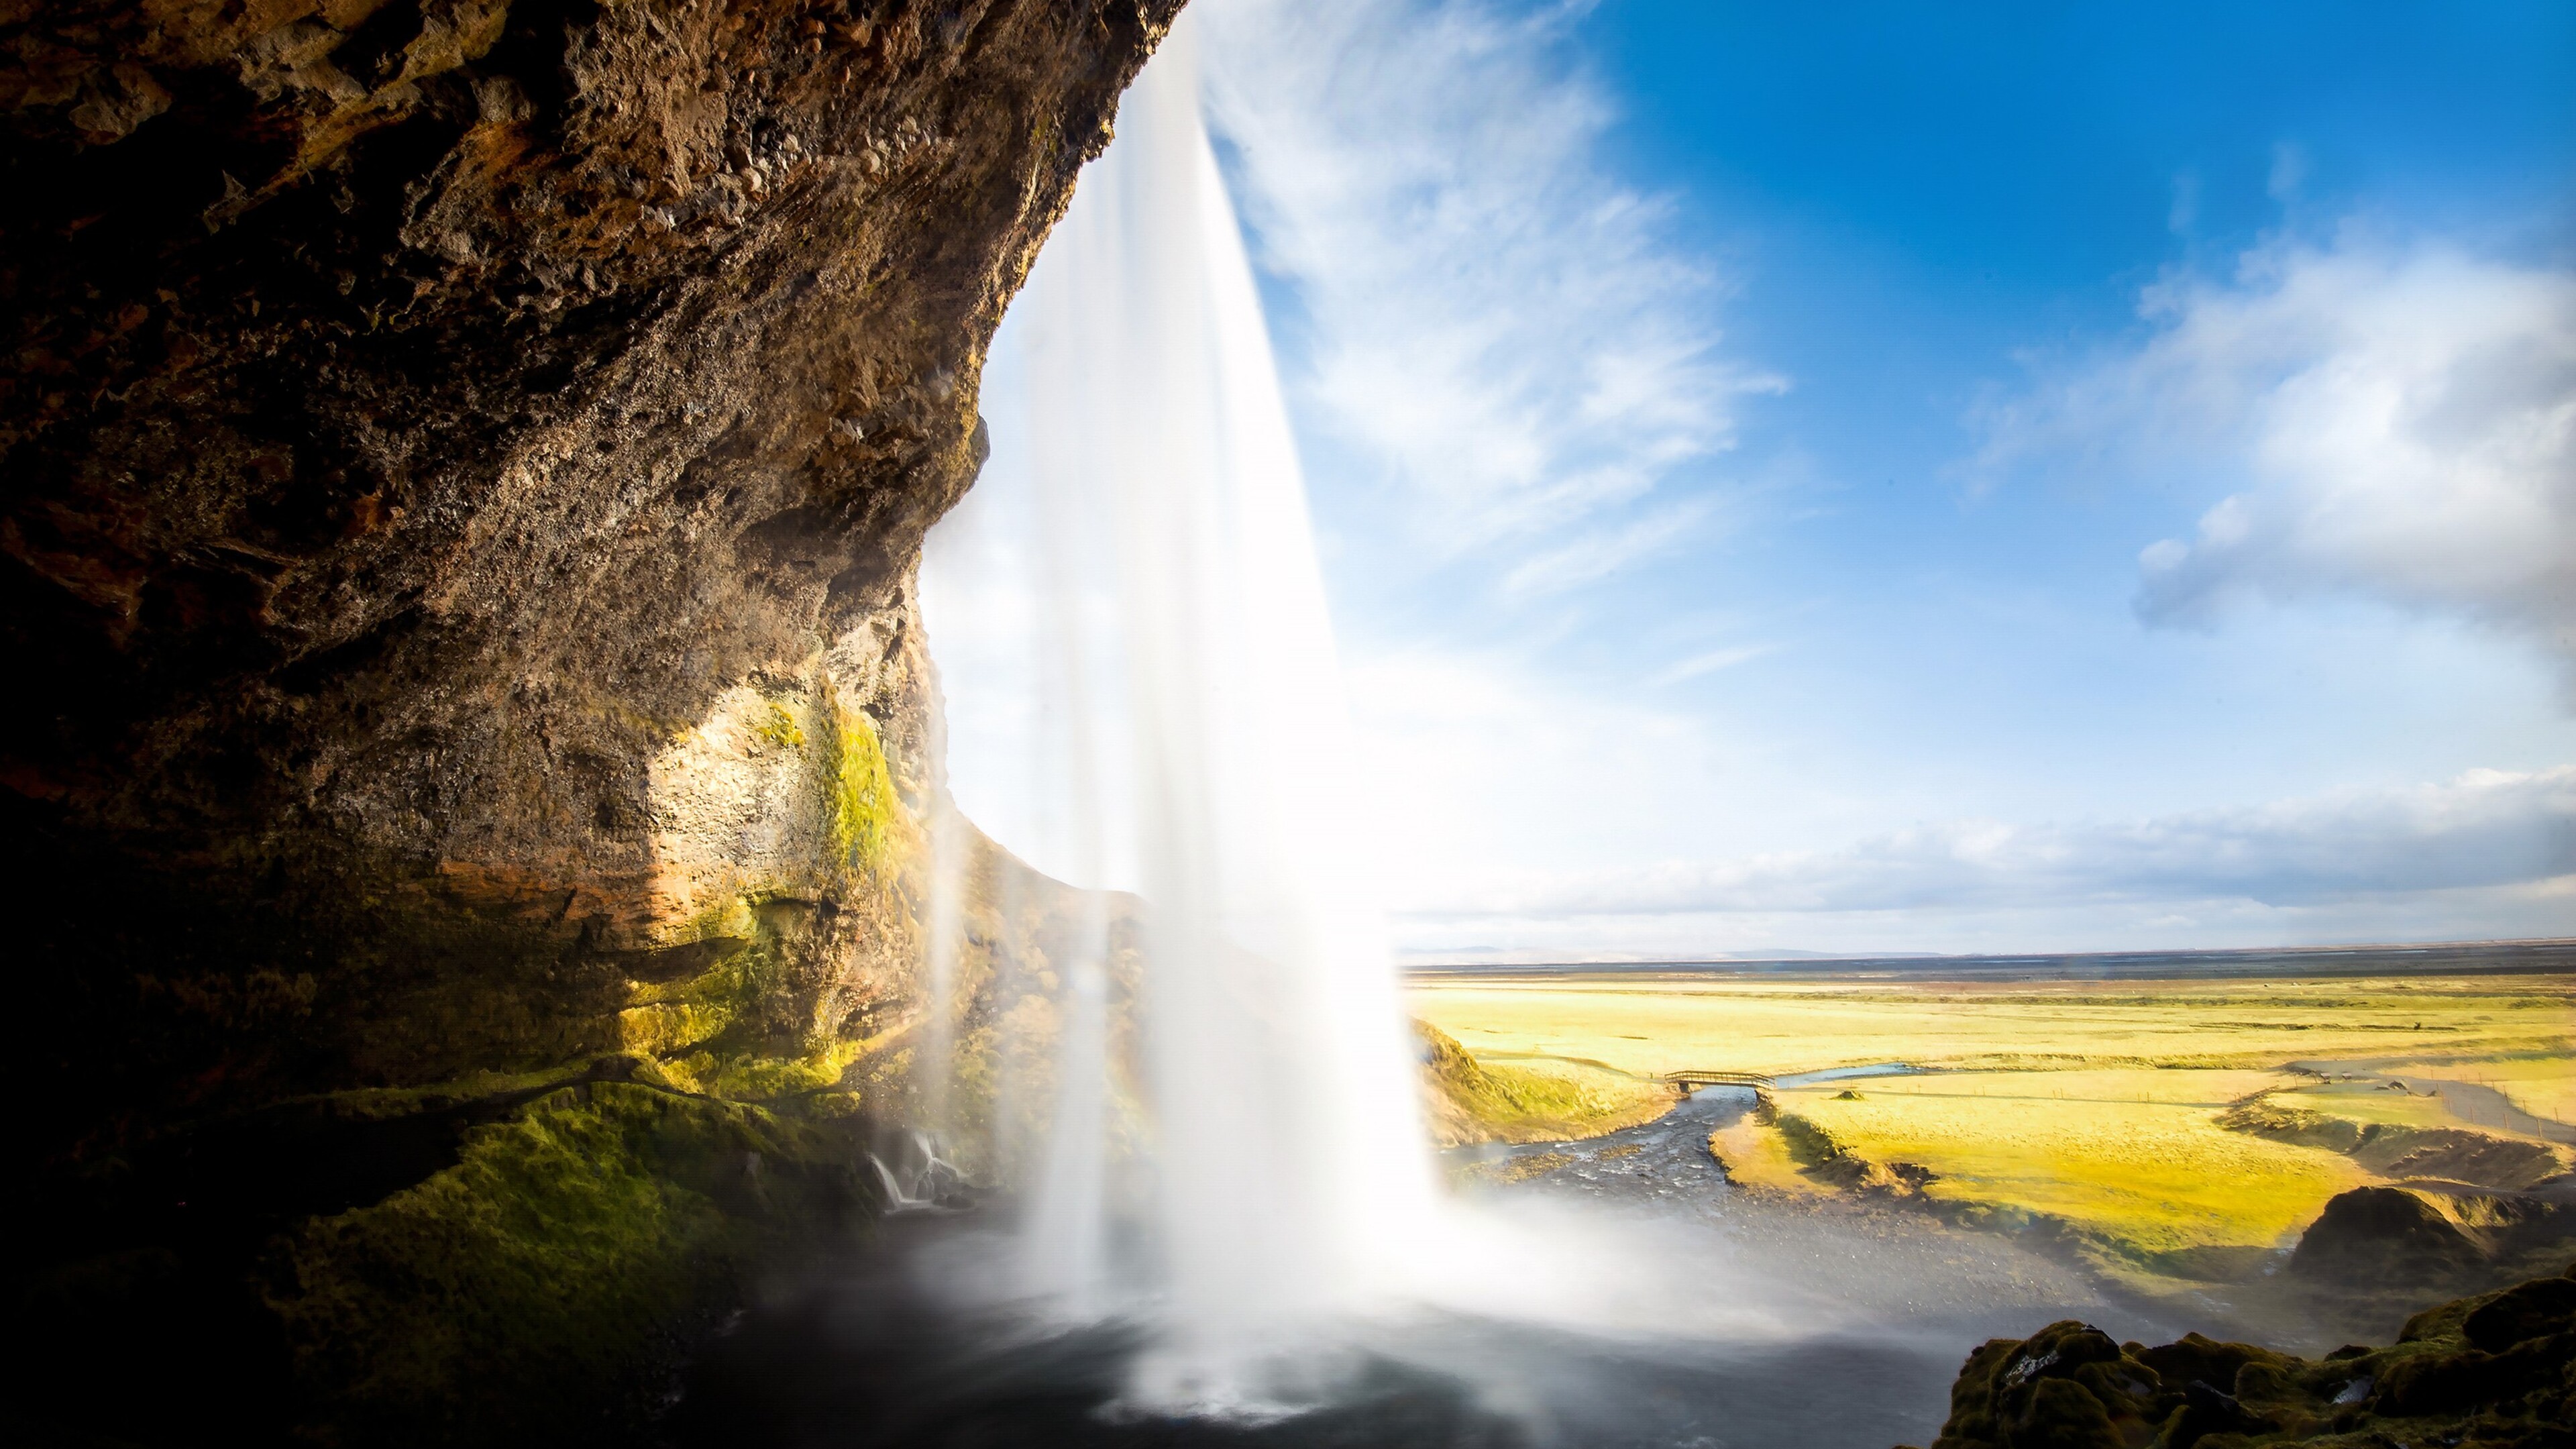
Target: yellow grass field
2365,1102
1472,1101
2090,1106
2134,1159
1655,1024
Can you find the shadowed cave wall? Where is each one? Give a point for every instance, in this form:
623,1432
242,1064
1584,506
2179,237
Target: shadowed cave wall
465,462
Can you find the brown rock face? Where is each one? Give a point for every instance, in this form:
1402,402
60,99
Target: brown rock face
464,466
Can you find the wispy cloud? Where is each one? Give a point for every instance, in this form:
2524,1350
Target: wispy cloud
2485,828
1503,325
2395,422
1604,551
1710,663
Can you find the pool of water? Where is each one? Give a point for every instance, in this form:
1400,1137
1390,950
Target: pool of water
1721,1322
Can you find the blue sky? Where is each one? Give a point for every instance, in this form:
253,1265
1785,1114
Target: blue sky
1909,477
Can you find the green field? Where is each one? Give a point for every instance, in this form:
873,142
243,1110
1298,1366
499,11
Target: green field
2114,1114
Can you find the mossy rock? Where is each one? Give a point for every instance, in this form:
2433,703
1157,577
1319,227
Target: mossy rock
2066,1387
2497,1371
524,1262
518,1292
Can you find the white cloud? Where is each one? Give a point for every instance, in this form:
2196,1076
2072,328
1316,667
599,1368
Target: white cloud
1710,662
1604,551
1490,315
2484,829
2395,423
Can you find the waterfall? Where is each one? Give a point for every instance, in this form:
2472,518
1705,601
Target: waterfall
1195,747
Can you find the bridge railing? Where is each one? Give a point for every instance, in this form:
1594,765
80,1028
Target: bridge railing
1717,1079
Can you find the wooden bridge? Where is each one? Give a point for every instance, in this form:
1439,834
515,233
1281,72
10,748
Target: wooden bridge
1693,1081
1687,1081
1765,1107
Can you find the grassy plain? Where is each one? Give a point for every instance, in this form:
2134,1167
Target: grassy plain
2131,1160
2089,1107
1650,1024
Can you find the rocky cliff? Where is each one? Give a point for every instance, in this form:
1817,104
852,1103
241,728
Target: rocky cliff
465,462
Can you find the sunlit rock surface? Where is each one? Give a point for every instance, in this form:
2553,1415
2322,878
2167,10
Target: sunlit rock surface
465,465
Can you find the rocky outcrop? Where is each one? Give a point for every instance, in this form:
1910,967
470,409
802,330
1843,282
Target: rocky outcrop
2497,1371
2419,1233
465,464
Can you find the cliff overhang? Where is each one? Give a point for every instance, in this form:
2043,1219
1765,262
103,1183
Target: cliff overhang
465,462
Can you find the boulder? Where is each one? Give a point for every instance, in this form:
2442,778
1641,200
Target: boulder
2497,1371
2427,1233
2372,1234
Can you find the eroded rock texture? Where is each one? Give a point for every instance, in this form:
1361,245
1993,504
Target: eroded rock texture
464,462
420,419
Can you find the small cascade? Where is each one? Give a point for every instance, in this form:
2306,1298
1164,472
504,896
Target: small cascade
1195,749
920,1179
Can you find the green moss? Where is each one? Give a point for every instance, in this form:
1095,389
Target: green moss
671,1017
659,1030
535,1286
861,810
512,1296
777,726
766,1078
